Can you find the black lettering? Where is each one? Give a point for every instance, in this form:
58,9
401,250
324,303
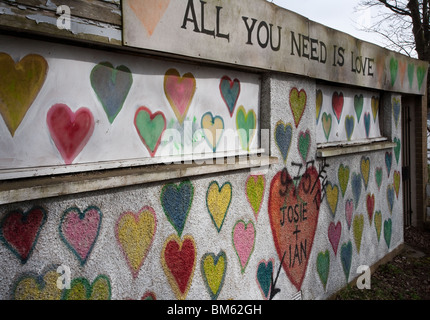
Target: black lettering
279,38
249,28
303,249
205,31
296,213
260,26
190,7
314,49
304,211
370,67
290,217
305,52
295,45
340,53
323,52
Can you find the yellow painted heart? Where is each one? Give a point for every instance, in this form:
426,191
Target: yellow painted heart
375,107
213,128
397,183
319,102
29,287
213,270
135,234
81,289
332,192
20,84
358,225
365,170
378,223
218,200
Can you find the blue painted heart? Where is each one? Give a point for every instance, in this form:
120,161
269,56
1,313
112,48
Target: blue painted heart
283,135
176,202
390,197
264,277
230,91
388,161
356,187
349,126
111,86
367,123
346,258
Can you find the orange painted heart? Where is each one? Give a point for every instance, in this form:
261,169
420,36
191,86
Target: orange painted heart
293,213
70,131
149,12
179,260
179,92
20,84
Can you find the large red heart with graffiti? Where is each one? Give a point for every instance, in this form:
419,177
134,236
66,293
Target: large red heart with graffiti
293,213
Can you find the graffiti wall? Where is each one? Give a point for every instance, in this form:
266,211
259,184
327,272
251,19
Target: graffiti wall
76,107
302,225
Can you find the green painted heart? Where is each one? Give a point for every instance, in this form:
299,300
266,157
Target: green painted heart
326,123
150,128
246,123
323,266
343,175
394,68
358,105
304,144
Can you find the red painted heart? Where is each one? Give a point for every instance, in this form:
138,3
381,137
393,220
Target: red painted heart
70,131
179,260
370,204
293,214
19,231
337,104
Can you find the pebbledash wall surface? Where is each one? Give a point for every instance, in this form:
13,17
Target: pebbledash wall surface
290,136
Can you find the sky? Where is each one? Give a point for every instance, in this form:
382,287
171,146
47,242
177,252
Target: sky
337,14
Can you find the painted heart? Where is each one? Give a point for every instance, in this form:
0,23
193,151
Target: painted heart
213,128
334,232
397,183
264,277
179,92
323,266
370,205
176,202
402,71
357,227
343,176
255,187
319,102
388,161
346,258
81,289
218,201
304,144
326,122
19,231
298,100
149,12
150,128
358,106
421,73
37,287
230,91
367,123
111,86
70,131
349,126
411,72
283,135
178,259
378,224
375,107
356,187
397,149
365,170
394,68
214,269
135,234
388,225
378,177
332,193
244,241
349,212
396,110
246,125
337,105
294,247
20,83
390,197
79,230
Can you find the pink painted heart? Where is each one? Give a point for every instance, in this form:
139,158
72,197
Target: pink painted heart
243,241
70,131
79,230
349,211
149,12
337,104
179,92
334,232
